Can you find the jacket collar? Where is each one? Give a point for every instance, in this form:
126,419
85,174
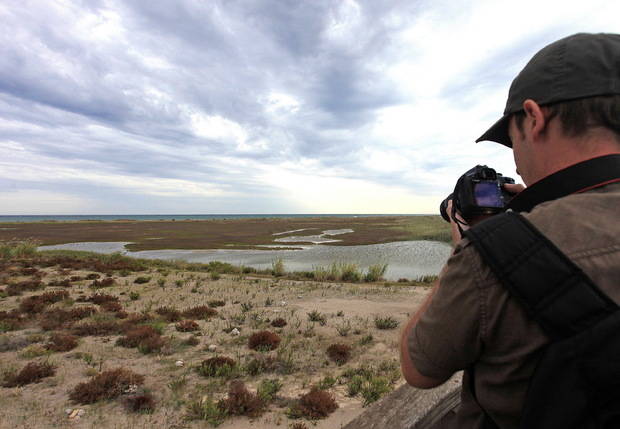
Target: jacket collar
577,178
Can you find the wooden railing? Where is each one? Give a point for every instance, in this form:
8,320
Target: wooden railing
411,408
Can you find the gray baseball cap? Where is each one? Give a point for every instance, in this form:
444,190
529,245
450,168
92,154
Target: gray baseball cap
579,66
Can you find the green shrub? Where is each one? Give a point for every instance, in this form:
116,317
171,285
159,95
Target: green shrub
134,296
387,322
277,268
268,388
375,273
206,409
141,280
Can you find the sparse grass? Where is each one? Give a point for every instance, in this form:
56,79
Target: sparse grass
17,249
268,388
315,316
278,323
216,303
106,385
387,322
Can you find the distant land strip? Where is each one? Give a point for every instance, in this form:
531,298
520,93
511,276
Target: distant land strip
228,233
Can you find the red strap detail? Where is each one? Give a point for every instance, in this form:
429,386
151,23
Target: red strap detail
598,185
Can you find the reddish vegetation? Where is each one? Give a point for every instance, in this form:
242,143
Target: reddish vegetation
58,318
169,314
106,385
111,306
37,303
137,335
101,298
61,283
19,288
201,312
144,403
101,327
339,353
316,404
61,343
279,323
11,320
31,373
215,365
107,282
263,341
241,402
92,276
187,326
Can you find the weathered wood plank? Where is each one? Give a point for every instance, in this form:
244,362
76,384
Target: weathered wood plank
410,408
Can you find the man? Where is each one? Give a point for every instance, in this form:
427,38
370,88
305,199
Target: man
562,121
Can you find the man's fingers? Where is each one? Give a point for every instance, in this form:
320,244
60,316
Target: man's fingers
514,188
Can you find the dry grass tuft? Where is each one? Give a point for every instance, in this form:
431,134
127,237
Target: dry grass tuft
339,353
31,373
242,402
264,341
316,404
106,385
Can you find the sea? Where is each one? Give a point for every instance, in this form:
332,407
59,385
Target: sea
77,218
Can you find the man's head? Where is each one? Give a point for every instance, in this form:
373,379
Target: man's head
569,89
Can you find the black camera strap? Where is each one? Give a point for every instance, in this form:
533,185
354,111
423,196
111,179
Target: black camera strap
577,178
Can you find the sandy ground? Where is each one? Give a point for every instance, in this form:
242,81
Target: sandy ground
250,303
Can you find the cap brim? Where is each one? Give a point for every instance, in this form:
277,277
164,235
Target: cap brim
498,132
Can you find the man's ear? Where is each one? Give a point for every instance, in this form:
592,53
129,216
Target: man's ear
535,120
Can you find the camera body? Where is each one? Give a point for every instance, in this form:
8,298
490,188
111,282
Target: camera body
478,192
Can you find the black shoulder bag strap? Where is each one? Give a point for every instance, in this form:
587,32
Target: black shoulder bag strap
554,291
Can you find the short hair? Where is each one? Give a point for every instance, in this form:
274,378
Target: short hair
580,115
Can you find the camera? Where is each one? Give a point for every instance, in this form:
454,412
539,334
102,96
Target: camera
478,192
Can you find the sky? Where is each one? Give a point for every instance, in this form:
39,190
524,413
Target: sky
260,106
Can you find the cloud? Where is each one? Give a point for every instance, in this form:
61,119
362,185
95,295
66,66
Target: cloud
259,106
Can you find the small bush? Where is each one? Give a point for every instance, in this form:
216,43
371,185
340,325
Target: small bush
134,296
264,341
62,343
14,289
260,364
111,306
144,403
241,402
99,327
374,388
191,341
366,339
187,326
278,323
135,336
100,298
34,350
107,282
217,366
33,372
216,303
92,276
387,322
339,353
141,280
106,385
316,404
151,344
215,275
201,312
